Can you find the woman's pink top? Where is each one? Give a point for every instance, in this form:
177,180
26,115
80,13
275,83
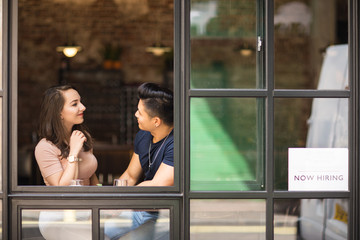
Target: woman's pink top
50,162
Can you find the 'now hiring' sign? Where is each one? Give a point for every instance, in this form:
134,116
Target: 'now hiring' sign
318,169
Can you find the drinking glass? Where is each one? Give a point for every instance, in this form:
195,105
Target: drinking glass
120,182
77,182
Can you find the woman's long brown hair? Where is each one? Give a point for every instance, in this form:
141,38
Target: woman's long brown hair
50,124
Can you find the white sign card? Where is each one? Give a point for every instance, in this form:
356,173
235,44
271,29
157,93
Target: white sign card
318,169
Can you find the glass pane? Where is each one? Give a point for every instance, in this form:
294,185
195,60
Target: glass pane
307,123
310,219
226,144
223,44
123,44
69,224
135,224
305,32
227,219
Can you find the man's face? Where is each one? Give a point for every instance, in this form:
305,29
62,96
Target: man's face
145,121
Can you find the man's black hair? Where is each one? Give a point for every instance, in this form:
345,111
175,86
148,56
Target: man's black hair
158,101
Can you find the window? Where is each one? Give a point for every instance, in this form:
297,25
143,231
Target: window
257,88
121,45
251,80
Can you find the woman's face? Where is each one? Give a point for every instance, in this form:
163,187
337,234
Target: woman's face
73,110
145,121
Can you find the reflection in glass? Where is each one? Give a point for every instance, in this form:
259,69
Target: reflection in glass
227,219
226,144
311,219
312,123
223,44
135,224
49,224
303,32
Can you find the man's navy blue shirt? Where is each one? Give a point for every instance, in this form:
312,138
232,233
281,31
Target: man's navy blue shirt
165,154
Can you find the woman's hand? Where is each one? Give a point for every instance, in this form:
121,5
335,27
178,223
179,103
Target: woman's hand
77,140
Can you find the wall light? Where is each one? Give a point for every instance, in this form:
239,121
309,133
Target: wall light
69,51
245,49
158,49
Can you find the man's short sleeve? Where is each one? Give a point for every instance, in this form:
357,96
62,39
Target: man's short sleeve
169,153
138,143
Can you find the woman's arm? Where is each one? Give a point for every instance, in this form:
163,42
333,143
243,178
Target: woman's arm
64,177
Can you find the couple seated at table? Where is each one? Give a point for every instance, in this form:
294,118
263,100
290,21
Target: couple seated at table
65,151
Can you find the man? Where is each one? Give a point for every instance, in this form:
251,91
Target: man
153,152
154,143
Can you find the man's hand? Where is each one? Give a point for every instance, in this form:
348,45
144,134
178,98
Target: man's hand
133,172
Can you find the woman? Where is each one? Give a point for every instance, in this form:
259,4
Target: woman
64,152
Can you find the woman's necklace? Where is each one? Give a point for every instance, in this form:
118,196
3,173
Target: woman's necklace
151,163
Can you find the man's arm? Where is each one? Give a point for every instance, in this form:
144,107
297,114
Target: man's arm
133,172
163,177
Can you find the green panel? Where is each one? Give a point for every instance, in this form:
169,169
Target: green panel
225,144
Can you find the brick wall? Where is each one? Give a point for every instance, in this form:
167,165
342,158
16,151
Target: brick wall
44,25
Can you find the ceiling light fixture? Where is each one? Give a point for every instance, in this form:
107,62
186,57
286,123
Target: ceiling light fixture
69,51
158,49
245,49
